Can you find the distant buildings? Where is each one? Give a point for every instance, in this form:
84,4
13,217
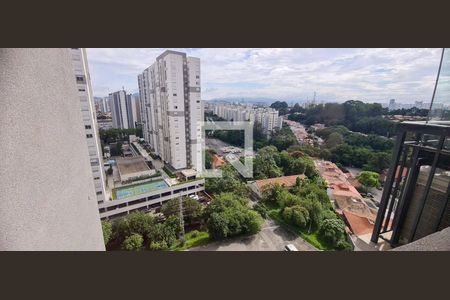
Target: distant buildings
87,105
392,105
124,109
102,104
172,110
268,118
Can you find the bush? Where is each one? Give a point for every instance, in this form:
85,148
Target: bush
162,245
133,243
194,233
261,209
107,231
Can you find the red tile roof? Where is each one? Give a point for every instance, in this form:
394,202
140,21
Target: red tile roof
359,225
285,180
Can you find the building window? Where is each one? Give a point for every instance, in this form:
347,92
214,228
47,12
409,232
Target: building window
87,127
176,107
198,77
89,136
175,95
96,178
80,79
198,101
99,192
81,90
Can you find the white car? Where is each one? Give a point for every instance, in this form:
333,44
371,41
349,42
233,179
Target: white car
290,247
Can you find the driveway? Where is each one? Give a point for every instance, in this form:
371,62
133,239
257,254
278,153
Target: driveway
271,238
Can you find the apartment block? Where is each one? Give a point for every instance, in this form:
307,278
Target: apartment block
86,99
118,103
267,117
172,110
48,198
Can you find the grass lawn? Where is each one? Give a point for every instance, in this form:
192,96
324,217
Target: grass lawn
192,240
312,237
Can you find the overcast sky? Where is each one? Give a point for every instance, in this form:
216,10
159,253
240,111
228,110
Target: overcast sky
374,75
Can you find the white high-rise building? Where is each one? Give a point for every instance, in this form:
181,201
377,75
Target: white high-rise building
47,199
172,110
83,82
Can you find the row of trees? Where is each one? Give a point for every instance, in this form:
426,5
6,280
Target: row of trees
355,115
370,152
115,134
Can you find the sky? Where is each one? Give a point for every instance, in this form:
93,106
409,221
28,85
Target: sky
336,75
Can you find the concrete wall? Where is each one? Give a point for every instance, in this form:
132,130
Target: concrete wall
47,198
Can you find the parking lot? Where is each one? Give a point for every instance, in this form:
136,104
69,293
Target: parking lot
271,238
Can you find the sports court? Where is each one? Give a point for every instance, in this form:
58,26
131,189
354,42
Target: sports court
130,191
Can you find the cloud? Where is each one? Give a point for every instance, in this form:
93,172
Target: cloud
290,74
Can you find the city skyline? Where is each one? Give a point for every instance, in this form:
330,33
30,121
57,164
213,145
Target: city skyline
371,75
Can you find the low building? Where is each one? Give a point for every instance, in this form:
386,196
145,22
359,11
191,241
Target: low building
257,187
146,196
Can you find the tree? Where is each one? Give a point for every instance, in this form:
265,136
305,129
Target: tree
369,179
229,182
228,215
332,230
283,138
134,242
107,231
334,140
378,162
281,106
265,163
297,215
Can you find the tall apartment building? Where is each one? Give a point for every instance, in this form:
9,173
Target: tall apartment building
124,109
171,109
86,100
47,199
119,111
136,109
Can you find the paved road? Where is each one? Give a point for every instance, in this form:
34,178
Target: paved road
216,145
271,238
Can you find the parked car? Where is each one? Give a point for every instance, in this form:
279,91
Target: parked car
290,247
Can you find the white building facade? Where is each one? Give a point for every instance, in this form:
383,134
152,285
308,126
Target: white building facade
86,98
266,116
172,110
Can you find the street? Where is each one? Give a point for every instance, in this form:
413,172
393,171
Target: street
272,237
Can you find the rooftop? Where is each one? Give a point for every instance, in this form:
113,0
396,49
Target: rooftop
285,180
360,225
131,165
